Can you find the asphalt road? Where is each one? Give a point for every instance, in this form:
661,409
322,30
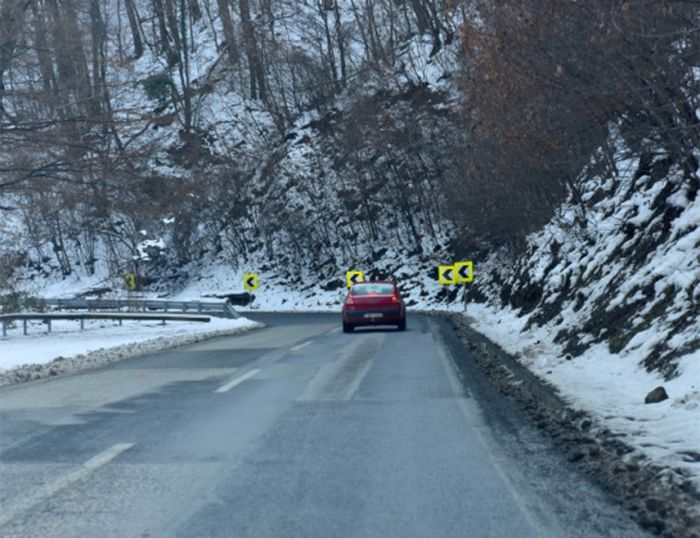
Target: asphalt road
295,430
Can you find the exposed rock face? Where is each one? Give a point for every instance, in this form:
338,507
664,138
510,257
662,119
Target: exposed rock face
655,396
595,280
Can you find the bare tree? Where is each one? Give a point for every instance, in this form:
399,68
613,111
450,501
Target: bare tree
133,17
255,67
229,32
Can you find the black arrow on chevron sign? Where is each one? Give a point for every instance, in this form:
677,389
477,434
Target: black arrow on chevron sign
355,278
447,275
250,282
463,272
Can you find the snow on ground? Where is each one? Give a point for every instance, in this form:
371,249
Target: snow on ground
66,287
67,348
611,387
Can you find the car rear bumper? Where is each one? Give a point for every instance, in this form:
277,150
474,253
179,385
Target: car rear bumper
373,317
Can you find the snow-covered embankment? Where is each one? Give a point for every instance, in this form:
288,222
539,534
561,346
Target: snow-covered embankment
67,349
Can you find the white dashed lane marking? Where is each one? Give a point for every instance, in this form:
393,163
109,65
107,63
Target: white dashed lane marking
61,483
237,381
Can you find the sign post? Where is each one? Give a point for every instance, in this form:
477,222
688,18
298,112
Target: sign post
464,274
130,287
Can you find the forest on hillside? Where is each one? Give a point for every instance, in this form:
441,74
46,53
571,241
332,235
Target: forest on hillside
168,130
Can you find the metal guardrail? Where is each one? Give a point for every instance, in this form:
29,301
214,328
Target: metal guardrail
217,309
47,317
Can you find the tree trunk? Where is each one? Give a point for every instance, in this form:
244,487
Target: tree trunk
229,32
422,15
171,18
195,10
162,27
11,22
48,76
70,57
329,47
133,16
372,31
184,68
257,78
97,29
340,37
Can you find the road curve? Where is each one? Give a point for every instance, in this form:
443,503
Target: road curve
295,430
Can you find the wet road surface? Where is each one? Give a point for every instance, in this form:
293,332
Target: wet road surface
295,430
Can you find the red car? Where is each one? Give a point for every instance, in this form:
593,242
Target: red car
374,303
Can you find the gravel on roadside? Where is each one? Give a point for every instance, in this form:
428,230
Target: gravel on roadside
659,498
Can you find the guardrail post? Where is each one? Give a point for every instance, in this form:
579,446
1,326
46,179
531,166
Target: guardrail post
120,321
4,328
82,324
49,324
163,321
24,327
232,312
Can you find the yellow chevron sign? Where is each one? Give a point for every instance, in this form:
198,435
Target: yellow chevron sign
130,281
464,272
250,282
354,277
458,273
447,275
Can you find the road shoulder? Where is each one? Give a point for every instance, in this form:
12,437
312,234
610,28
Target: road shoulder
660,499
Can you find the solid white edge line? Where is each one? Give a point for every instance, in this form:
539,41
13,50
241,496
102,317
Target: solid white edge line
300,346
336,330
49,490
235,382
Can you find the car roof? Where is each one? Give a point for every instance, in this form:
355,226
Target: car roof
375,282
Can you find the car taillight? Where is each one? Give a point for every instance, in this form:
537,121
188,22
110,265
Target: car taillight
394,298
350,300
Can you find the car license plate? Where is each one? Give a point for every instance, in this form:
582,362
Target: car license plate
373,315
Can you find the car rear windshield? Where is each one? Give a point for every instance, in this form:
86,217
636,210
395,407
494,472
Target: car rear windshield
372,289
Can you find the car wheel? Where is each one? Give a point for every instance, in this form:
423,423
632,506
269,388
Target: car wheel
347,328
402,324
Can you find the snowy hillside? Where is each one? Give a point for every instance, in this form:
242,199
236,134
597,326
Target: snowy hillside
621,268
331,193
603,304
